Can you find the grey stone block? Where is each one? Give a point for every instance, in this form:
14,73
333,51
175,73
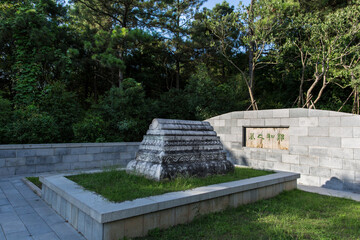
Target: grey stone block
318,131
308,141
302,169
62,166
236,115
302,150
86,157
132,148
298,112
274,157
224,130
356,153
243,122
219,123
281,113
257,122
294,140
70,158
13,162
309,160
318,113
298,131
265,114
258,155
351,164
346,153
26,153
320,171
78,150
25,169
319,151
350,121
282,166
333,163
225,116
350,142
2,163
62,151
274,122
250,114
94,150
309,180
329,121
45,152
356,132
8,154
308,122
329,142
348,175
341,132
292,159
237,130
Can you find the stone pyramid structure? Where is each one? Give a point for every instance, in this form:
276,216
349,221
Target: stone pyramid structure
174,148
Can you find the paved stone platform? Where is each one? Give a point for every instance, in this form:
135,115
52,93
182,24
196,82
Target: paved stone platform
24,215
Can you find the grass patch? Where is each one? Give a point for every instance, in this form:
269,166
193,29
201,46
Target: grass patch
118,186
290,215
35,181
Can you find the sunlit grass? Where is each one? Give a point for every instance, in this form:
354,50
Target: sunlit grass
119,186
291,215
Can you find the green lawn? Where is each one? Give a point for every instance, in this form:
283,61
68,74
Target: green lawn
290,215
118,186
35,181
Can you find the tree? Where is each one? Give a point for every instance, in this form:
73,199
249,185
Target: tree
174,21
33,46
257,26
324,42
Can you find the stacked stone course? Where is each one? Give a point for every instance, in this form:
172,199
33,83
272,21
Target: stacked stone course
38,158
324,146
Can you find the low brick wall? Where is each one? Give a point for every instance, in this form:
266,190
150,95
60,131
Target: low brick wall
98,219
38,158
324,146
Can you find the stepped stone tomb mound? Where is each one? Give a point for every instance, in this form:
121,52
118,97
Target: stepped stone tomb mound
173,148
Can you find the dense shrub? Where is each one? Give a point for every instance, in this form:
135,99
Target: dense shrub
91,129
32,126
63,106
5,119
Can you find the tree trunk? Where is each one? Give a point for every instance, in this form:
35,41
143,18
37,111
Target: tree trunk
251,45
356,103
177,74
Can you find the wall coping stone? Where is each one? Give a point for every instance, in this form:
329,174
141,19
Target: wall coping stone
67,145
104,211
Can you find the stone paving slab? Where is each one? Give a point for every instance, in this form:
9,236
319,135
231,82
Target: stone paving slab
24,215
330,192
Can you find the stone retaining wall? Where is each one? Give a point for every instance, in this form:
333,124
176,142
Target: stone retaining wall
98,219
324,146
38,158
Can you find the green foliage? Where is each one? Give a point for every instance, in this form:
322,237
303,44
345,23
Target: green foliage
32,126
202,90
63,106
119,186
59,64
5,119
91,129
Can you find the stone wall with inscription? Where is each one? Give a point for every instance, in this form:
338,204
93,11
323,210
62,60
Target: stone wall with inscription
323,146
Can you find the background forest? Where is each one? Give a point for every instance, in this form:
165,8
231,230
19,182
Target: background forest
101,70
